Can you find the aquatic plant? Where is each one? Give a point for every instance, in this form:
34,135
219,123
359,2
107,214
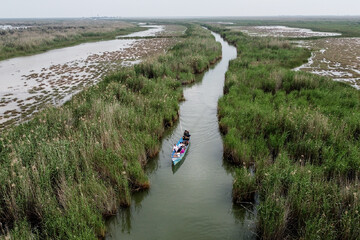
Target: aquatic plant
300,133
69,167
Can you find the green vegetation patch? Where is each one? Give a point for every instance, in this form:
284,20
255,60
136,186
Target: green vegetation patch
66,169
300,132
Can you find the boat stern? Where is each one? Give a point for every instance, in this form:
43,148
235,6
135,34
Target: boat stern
175,160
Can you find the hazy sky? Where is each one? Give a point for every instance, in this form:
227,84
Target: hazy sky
164,8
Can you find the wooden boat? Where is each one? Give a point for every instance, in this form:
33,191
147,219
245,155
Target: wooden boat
177,157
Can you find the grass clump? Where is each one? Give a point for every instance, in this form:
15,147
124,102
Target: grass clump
300,132
69,167
244,186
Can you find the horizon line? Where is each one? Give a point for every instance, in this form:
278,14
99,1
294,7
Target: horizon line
182,17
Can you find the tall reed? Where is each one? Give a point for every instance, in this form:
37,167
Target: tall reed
68,168
300,132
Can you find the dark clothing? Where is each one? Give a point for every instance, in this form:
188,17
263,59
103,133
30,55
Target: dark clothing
186,135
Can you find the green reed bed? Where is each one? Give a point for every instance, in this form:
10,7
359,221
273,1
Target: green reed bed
300,133
66,169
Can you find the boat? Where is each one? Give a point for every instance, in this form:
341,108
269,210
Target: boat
177,157
176,167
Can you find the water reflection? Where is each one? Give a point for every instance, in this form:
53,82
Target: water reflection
245,214
178,165
125,216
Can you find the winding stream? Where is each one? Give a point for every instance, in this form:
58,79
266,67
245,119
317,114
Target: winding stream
193,200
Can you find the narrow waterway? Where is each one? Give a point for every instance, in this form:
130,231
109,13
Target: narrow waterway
193,200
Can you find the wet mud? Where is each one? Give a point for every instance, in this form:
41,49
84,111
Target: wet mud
25,94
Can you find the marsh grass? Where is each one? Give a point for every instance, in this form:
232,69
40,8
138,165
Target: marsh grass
301,134
43,35
68,168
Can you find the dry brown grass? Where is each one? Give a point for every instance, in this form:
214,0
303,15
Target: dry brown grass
173,30
51,32
277,43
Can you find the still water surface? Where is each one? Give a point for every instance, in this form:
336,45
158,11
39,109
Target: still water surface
193,200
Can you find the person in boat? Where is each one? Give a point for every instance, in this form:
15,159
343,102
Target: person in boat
186,137
182,151
175,148
180,148
183,146
187,134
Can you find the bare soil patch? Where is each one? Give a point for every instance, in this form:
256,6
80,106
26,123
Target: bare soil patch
337,58
57,83
281,31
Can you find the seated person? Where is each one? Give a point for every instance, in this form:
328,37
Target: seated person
180,148
186,137
187,134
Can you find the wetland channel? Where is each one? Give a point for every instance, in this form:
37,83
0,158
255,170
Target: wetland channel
192,200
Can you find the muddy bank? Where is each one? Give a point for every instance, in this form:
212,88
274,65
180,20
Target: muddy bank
332,57
337,58
281,31
27,84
